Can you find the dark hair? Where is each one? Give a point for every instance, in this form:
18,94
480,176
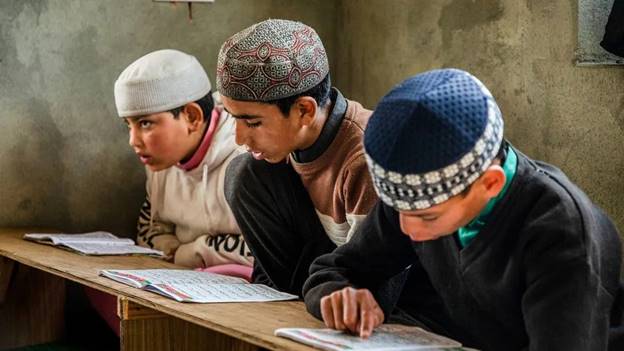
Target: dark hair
319,92
206,104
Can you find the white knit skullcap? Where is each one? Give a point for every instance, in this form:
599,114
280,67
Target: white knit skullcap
160,81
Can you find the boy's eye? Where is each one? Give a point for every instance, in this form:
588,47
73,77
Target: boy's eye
145,124
252,124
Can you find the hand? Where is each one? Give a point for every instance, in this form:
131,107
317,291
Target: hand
168,244
186,255
169,248
353,310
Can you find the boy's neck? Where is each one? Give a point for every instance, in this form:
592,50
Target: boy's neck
328,125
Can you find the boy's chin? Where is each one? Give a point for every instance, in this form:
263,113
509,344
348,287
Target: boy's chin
274,159
158,167
428,237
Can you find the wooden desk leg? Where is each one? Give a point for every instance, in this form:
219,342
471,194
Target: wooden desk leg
145,329
32,311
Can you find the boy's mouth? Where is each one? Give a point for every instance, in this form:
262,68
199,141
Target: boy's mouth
258,155
145,159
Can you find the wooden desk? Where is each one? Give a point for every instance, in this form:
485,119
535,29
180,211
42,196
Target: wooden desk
148,321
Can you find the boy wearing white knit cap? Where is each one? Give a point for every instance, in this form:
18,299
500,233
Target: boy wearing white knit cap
186,144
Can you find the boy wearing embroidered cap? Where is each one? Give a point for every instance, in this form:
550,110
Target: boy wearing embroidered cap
186,144
504,252
304,186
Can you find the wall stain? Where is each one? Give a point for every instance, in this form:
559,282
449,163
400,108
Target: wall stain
465,15
25,205
82,55
37,170
618,114
12,9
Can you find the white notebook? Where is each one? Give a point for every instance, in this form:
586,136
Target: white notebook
387,337
94,243
185,285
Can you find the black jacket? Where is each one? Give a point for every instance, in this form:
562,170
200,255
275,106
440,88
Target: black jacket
543,274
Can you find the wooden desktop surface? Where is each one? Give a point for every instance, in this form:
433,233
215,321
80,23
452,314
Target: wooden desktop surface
253,323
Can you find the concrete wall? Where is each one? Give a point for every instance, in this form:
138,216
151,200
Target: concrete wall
64,155
523,51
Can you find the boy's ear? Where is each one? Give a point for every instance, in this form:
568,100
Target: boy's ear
194,115
493,180
306,108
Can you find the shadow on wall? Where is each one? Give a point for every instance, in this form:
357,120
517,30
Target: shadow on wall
32,164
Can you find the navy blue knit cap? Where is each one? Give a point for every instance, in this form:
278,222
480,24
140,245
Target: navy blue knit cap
431,137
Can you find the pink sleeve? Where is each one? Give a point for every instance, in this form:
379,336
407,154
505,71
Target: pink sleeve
234,270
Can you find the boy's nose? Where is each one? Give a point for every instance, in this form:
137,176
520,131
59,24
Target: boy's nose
410,224
133,138
240,133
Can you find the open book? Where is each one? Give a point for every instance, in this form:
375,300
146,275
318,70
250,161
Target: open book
387,337
195,286
95,243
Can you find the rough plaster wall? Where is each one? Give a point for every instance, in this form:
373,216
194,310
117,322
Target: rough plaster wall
64,158
524,52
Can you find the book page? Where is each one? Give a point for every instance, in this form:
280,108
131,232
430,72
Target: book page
125,278
168,276
209,293
118,241
106,248
59,237
387,337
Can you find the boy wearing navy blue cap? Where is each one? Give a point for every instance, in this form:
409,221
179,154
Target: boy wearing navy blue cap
503,252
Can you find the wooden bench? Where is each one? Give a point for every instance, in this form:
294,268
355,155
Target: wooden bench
32,291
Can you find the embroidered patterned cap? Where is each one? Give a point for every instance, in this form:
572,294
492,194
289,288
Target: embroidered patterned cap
431,137
271,60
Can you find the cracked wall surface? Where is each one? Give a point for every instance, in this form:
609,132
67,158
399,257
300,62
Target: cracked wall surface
524,51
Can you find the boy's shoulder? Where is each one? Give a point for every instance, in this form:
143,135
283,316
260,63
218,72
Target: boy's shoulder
357,116
549,183
554,204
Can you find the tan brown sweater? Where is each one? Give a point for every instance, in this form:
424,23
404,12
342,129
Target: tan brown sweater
338,181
